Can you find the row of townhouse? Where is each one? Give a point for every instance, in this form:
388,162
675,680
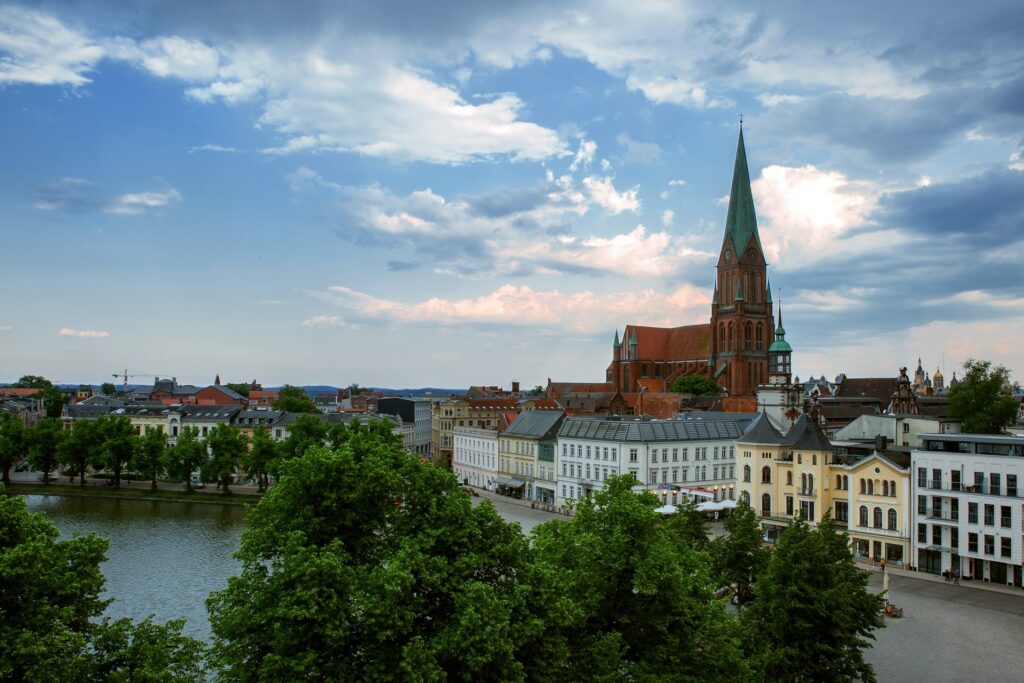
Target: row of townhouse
953,502
547,457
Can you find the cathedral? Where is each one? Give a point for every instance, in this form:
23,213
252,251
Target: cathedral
732,348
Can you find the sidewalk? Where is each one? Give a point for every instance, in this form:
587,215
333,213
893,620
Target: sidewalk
530,505
976,584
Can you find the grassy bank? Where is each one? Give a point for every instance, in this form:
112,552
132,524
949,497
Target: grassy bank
215,498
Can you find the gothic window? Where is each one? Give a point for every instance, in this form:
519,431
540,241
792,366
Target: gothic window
721,336
748,336
730,336
759,338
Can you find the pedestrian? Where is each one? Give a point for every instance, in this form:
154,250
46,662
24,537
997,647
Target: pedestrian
956,577
945,575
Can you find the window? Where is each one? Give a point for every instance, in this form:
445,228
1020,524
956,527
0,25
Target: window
633,455
807,510
892,520
877,518
990,545
766,505
863,487
1005,549
885,488
936,535
1011,484
686,454
842,511
922,478
1005,515
766,475
654,455
789,506
675,455
994,484
863,521
746,473
789,478
871,487
839,481
990,515
972,513
972,543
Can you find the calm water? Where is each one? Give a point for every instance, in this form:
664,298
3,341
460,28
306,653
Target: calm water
164,557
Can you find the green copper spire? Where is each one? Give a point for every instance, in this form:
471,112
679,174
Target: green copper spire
741,223
714,299
768,290
632,341
615,345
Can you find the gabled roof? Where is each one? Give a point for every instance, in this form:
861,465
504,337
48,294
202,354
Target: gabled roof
741,222
227,391
689,342
762,432
536,424
806,435
879,388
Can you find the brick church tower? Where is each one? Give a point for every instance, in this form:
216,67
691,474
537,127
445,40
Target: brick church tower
742,320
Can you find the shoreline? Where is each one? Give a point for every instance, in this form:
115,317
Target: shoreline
212,498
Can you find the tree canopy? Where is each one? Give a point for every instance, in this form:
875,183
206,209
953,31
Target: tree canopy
50,603
983,400
240,388
108,389
695,384
186,456
294,400
12,443
53,400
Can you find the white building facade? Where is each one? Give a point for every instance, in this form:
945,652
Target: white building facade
475,457
968,506
665,455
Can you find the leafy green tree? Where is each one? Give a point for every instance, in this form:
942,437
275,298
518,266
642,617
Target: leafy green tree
50,602
983,400
626,598
119,444
150,458
186,456
44,441
689,525
537,390
294,400
739,555
258,458
364,564
108,389
240,388
696,385
305,432
52,398
227,448
813,616
13,443
82,447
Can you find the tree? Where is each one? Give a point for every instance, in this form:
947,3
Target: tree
813,615
983,400
537,390
186,456
739,556
305,432
50,602
150,455
626,598
82,447
689,525
240,388
257,460
294,400
52,398
12,443
108,389
119,443
364,564
696,385
44,441
227,448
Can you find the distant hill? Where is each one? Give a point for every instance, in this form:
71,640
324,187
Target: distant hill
315,389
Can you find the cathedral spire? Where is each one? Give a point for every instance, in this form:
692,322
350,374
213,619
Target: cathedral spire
740,222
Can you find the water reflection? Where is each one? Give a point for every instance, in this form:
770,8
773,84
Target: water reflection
164,557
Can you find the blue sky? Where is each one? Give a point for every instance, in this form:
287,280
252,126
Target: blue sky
396,194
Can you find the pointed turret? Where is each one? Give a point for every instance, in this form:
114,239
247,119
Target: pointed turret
714,297
615,344
740,222
768,291
216,380
632,346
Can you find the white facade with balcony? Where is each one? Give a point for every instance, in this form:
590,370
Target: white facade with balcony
968,506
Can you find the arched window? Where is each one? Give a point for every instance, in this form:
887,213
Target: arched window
810,484
863,488
766,475
892,488
871,488
721,335
789,478
766,505
846,483
863,515
885,487
839,481
759,337
892,520
803,483
814,458
878,518
729,334
748,336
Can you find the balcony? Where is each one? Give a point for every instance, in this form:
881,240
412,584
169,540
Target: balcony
938,516
807,492
979,489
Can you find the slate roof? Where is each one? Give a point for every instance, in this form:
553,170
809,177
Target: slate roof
806,435
537,424
205,413
648,431
762,433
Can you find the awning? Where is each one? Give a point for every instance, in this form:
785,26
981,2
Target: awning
510,481
667,510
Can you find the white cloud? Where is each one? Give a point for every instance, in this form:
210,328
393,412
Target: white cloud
603,193
169,57
5,328
667,217
582,312
37,48
325,321
90,334
584,155
211,148
134,204
638,152
805,214
676,182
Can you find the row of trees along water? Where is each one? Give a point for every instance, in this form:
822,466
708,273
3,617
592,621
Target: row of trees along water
364,563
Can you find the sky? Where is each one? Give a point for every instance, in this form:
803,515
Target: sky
443,194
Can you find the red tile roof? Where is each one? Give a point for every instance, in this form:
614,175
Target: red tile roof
689,342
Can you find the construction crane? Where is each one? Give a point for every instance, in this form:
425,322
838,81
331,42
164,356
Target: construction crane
125,375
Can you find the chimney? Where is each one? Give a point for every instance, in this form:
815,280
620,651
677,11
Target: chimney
881,442
515,387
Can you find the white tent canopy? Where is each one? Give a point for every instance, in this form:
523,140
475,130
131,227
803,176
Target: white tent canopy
667,510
